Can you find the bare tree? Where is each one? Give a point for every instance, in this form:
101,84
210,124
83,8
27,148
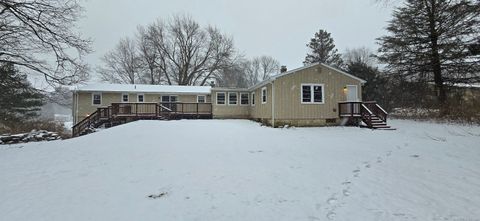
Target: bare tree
187,54
33,30
359,55
121,64
148,57
260,68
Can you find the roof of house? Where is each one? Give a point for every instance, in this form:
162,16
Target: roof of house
274,77
145,88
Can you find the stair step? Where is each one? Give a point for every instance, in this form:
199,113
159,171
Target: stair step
380,126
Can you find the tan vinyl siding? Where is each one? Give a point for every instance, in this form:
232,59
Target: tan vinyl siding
227,110
288,104
262,111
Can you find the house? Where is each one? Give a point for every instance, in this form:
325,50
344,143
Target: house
313,95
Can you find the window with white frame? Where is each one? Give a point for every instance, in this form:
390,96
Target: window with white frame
140,98
244,99
232,98
201,99
264,95
124,97
312,94
253,98
96,99
220,98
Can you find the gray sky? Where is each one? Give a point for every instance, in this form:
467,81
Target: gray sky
269,27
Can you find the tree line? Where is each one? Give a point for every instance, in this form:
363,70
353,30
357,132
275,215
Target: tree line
179,51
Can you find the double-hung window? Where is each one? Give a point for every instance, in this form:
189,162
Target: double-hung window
232,98
140,98
220,98
96,99
253,98
244,99
312,94
201,99
264,95
124,97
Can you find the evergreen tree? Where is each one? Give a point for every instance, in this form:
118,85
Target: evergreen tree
431,41
322,49
19,101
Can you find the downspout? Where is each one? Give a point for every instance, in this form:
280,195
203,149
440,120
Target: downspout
273,103
76,107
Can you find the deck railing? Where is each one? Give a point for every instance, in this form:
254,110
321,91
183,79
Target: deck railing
132,111
364,110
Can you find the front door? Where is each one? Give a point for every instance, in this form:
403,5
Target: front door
352,93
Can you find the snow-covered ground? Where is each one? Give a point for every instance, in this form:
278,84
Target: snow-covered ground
239,170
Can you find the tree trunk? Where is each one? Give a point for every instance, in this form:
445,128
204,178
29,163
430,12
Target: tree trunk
435,61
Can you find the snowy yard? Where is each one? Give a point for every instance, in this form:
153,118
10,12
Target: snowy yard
237,170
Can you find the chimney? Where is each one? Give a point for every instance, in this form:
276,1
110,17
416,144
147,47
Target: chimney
212,83
283,69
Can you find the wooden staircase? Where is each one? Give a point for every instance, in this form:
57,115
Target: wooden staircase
370,113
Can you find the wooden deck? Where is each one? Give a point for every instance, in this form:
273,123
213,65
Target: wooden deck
120,113
369,112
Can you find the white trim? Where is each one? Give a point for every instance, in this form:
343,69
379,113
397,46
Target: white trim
266,95
101,98
356,90
252,98
138,100
225,98
248,99
312,97
128,98
204,98
236,100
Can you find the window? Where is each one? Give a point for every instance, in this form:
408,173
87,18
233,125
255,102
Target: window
264,95
312,94
232,98
253,98
124,97
201,99
244,99
169,98
140,98
221,98
97,99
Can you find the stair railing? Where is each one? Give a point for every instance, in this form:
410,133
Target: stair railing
367,115
376,110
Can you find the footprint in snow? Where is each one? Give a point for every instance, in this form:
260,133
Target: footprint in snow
346,192
331,215
379,159
332,200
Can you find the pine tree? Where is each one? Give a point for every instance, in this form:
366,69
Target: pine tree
19,101
322,49
431,41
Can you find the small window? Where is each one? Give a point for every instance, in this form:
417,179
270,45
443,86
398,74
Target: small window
96,99
232,98
201,99
221,98
264,95
124,97
312,94
140,98
253,98
244,99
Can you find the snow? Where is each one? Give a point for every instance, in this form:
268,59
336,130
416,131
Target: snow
239,170
144,88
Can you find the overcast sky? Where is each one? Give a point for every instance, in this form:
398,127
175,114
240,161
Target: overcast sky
259,27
